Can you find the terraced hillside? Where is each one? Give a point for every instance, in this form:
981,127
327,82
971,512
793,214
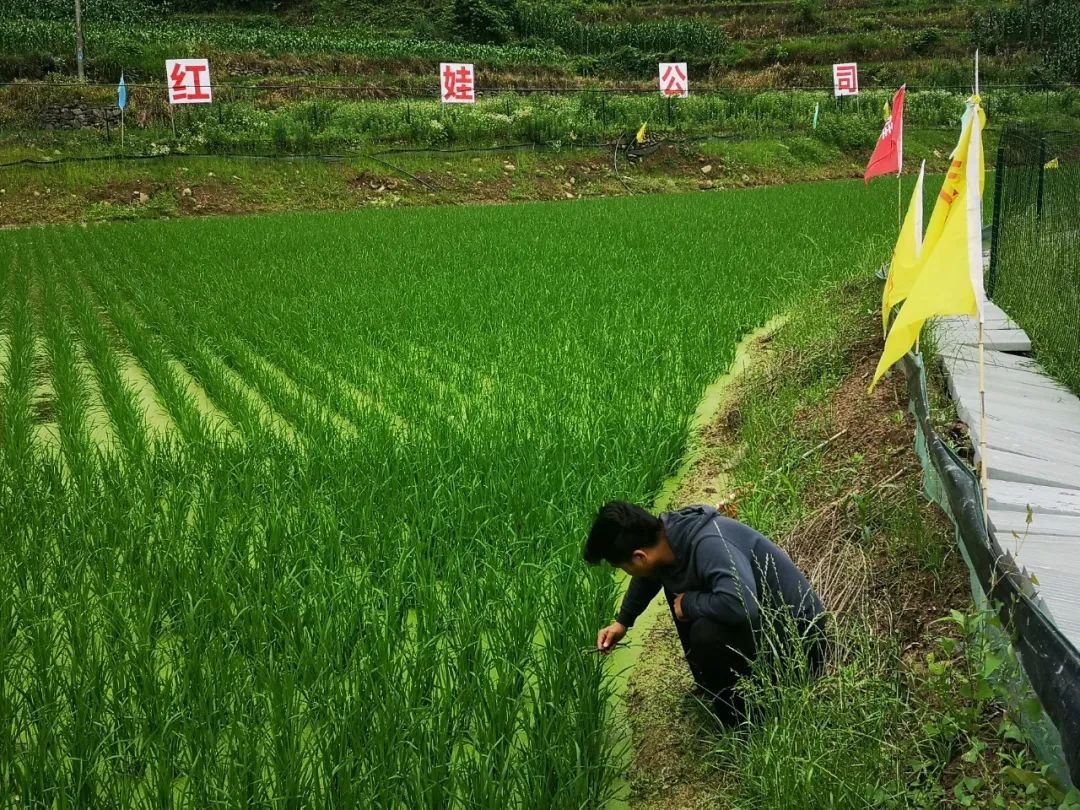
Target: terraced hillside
771,43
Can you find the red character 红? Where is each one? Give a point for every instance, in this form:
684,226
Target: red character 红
187,82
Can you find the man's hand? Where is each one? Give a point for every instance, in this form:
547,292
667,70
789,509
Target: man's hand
611,635
678,608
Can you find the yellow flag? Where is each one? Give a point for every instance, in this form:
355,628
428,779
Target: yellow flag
888,112
902,282
1052,164
949,278
903,268
640,137
954,179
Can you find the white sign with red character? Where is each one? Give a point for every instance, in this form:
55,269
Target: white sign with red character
458,82
845,79
189,81
673,81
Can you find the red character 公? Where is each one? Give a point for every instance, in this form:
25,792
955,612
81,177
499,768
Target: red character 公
673,80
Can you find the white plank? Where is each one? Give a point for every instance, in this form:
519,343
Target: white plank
1050,426
1033,434
1049,549
1035,410
1009,495
1010,381
997,423
968,332
1005,523
1002,375
1007,344
1029,406
1005,340
993,359
1057,590
991,322
992,309
1029,552
1004,466
1018,380
1028,442
967,329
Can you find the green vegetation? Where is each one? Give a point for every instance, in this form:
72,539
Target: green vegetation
911,713
1053,27
141,50
557,24
1036,273
304,120
295,503
58,190
876,731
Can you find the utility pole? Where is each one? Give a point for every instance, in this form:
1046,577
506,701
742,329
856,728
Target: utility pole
80,54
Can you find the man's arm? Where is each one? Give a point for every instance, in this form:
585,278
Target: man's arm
637,598
729,594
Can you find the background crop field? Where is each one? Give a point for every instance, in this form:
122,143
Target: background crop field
292,506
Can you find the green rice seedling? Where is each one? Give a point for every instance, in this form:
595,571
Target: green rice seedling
390,610
120,400
207,368
71,401
148,350
18,371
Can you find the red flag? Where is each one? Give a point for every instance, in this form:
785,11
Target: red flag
889,152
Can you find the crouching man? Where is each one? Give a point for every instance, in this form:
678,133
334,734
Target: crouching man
724,582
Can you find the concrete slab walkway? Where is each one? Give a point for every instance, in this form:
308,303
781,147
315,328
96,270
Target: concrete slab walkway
1033,454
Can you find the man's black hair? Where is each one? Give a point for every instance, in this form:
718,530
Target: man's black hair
620,529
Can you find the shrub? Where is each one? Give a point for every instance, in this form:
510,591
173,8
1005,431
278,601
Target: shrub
809,12
483,21
98,10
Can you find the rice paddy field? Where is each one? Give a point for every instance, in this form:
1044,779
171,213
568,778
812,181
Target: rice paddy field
292,506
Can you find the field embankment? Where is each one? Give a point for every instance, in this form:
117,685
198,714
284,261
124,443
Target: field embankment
180,186
906,715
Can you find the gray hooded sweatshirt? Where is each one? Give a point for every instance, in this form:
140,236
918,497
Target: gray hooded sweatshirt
725,571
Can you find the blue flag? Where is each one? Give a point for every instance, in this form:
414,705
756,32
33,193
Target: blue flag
121,93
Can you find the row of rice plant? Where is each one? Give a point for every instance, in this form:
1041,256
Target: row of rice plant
343,568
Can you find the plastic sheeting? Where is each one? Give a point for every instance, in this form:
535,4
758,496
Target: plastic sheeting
1050,662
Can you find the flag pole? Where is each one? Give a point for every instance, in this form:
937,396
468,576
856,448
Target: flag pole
984,474
121,129
984,468
900,170
900,202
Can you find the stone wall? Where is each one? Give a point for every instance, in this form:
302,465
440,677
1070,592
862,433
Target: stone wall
80,117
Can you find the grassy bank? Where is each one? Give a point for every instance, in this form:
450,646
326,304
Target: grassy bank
907,715
176,186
